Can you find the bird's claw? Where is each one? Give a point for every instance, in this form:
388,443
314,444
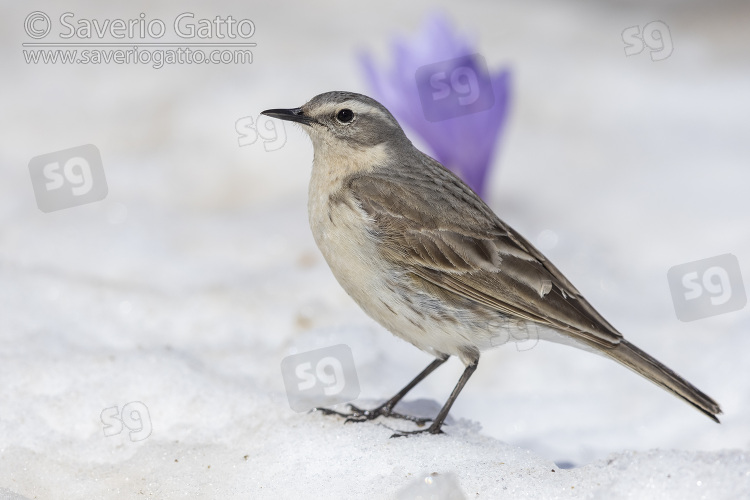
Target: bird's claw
360,415
430,430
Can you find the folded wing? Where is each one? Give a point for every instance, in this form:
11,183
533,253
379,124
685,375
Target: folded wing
451,238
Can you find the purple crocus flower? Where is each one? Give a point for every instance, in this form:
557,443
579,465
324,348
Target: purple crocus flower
441,89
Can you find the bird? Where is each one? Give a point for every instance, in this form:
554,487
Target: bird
424,256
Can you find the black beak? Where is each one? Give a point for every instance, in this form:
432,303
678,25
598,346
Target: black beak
292,115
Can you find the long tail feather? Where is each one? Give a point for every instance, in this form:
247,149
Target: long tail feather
643,364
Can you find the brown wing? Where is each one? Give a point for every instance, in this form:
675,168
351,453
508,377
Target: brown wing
434,226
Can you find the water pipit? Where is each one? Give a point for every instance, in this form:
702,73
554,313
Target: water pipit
426,258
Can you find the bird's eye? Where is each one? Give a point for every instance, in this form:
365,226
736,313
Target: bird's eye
345,115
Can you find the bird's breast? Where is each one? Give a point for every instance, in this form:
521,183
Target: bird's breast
344,235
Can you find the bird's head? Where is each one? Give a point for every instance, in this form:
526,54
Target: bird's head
344,121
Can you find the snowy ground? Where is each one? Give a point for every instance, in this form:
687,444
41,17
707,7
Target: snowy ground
196,275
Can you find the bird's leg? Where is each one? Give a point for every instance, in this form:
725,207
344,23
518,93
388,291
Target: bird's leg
386,409
437,423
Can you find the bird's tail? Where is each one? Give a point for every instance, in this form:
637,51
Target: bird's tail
643,364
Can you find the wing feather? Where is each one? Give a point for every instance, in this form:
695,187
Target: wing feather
433,226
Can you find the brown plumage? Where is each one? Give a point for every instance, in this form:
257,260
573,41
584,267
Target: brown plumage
424,256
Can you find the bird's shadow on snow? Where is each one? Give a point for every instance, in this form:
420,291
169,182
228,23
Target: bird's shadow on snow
421,408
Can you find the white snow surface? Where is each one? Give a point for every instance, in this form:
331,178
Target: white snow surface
197,274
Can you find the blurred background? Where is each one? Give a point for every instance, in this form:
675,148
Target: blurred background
195,274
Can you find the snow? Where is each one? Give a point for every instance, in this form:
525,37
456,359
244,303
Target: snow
184,289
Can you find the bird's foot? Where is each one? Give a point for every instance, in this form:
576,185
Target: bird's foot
433,429
361,415
384,410
329,412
